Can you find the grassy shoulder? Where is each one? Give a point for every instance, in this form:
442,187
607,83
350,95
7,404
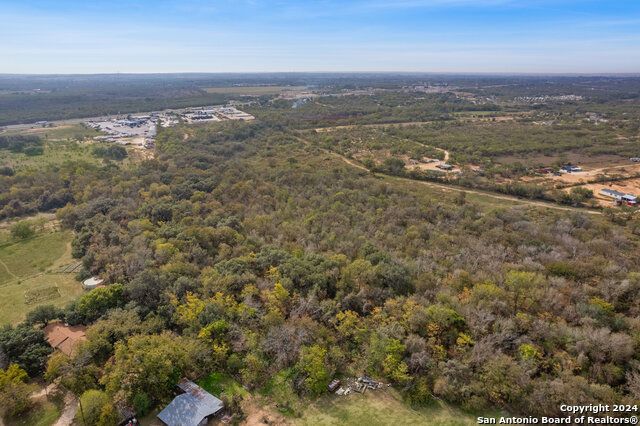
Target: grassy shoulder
43,413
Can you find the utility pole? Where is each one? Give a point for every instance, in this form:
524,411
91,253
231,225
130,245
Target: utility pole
82,412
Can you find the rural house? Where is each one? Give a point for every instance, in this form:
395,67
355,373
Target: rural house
64,337
628,199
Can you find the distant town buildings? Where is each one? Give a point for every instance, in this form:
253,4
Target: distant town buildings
143,128
543,99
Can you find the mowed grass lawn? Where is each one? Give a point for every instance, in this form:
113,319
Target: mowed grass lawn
381,407
21,259
29,266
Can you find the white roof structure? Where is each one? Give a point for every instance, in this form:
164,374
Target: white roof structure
91,283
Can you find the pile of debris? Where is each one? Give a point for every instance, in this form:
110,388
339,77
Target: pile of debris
360,385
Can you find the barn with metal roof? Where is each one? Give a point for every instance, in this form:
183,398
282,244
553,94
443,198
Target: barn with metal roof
194,407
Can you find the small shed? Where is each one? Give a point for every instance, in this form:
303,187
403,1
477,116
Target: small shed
194,407
91,283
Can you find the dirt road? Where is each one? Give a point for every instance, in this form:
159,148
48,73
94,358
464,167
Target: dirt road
446,153
8,270
468,191
475,191
69,411
374,125
430,166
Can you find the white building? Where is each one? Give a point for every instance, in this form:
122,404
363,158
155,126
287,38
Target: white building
91,283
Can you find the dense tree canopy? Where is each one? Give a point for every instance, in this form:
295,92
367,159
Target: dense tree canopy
242,249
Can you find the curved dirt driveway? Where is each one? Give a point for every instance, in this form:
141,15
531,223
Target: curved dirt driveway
475,191
469,191
69,411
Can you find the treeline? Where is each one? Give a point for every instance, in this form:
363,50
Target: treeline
475,142
111,152
377,107
31,191
241,250
69,103
30,145
467,178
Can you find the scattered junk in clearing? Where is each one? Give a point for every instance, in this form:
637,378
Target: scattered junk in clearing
360,385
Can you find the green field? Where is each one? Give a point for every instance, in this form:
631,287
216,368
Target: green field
253,90
26,258
61,144
61,131
382,407
28,276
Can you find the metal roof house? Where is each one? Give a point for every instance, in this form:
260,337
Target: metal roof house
611,193
444,166
192,408
628,199
63,337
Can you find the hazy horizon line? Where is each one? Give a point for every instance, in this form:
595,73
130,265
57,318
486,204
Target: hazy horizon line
500,73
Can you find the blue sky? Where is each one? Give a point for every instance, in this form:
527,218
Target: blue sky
512,36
